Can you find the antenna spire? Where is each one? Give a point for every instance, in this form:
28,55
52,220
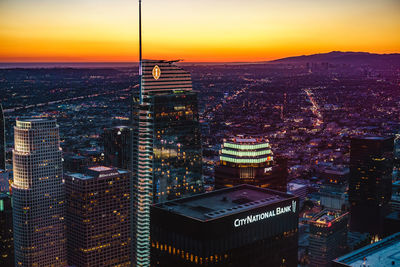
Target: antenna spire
140,51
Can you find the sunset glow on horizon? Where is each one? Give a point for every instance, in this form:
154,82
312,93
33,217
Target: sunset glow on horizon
196,31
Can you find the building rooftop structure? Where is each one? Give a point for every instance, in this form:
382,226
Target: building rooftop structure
223,202
328,217
384,253
97,172
248,150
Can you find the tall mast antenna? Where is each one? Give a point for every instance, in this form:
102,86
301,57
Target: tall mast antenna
140,52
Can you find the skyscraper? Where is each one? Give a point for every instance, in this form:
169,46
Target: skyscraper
250,161
97,217
166,160
167,156
116,146
2,140
237,226
38,194
328,237
370,183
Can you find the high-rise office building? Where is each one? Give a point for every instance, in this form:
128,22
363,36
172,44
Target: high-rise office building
333,190
166,152
97,217
6,231
166,160
117,146
38,194
328,237
370,182
250,161
2,140
237,226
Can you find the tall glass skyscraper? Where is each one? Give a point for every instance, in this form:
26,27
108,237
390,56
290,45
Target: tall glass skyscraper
370,183
2,140
38,194
167,157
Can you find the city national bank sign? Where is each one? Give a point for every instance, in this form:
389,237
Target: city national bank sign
265,215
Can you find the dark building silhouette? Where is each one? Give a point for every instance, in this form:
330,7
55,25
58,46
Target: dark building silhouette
2,140
117,146
370,183
166,147
6,231
75,163
238,226
97,217
250,161
328,237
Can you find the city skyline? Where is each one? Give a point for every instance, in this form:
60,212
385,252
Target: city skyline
281,163
105,31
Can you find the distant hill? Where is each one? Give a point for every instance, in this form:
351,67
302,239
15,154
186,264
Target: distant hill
337,57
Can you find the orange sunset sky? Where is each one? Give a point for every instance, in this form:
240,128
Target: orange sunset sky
194,30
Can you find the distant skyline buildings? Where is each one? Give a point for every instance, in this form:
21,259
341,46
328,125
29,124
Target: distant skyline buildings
38,194
166,148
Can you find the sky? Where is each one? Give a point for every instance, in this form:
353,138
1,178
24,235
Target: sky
194,30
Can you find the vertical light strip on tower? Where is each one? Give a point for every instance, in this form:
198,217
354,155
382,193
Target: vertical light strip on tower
142,169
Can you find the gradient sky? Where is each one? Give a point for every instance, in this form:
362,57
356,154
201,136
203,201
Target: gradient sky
194,30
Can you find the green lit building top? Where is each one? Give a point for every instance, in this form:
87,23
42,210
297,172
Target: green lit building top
248,160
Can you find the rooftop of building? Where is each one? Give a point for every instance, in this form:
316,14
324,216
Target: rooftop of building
97,172
295,186
384,253
120,127
327,217
35,122
247,140
224,202
372,138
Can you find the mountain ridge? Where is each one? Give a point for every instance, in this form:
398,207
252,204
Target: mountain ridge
339,57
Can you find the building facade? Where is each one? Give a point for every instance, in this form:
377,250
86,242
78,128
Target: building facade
6,231
236,226
166,146
250,161
38,194
117,146
98,217
328,237
370,183
2,139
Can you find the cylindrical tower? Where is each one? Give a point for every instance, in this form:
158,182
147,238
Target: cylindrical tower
38,194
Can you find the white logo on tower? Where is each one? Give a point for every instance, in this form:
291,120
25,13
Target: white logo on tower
294,205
